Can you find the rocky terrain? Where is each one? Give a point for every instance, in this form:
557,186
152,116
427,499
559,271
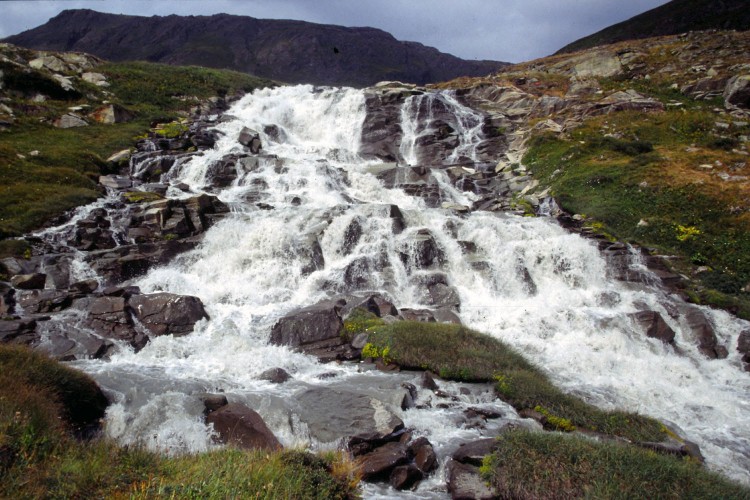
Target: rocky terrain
147,220
286,51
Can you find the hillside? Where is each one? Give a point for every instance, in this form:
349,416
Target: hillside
287,51
63,114
677,16
647,141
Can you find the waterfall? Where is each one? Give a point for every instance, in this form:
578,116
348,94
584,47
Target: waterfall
524,280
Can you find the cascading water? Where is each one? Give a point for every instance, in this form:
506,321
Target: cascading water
525,281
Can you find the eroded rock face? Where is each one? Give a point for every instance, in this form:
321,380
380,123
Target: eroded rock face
654,325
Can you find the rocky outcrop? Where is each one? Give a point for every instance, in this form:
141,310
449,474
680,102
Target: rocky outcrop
310,328
238,425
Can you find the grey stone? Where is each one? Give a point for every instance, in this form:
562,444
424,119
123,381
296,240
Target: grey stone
321,321
167,313
240,426
29,281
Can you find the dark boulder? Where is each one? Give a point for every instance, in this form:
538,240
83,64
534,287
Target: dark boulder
167,313
275,375
212,402
110,317
250,139
44,301
240,426
29,281
652,323
378,464
424,455
705,335
405,477
321,321
22,331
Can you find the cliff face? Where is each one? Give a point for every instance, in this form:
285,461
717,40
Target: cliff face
677,16
288,51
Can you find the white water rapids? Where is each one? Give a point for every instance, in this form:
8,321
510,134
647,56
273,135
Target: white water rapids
250,270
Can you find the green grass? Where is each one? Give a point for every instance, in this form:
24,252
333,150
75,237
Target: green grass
652,173
43,403
556,466
64,174
458,353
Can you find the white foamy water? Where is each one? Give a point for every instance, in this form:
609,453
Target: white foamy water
528,283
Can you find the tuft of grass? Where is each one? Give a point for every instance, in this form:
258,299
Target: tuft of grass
551,465
458,353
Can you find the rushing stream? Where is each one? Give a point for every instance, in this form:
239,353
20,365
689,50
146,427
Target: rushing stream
526,281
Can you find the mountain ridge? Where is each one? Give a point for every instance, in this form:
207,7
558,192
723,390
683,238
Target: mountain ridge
282,50
671,18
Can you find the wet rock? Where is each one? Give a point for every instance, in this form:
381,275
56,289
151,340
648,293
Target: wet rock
352,236
22,331
405,477
652,323
397,219
376,303
212,402
240,426
167,313
32,281
422,251
332,414
474,452
44,301
275,375
378,464
428,382
465,482
321,321
250,139
705,336
425,458
130,261
743,346
110,318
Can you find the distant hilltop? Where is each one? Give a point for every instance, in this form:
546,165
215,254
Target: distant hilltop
282,50
672,18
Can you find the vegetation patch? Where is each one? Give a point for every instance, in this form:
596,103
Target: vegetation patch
458,353
668,181
557,466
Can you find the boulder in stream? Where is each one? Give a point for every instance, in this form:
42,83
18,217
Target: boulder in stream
167,313
240,426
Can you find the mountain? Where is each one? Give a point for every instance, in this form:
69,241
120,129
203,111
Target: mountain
287,51
677,16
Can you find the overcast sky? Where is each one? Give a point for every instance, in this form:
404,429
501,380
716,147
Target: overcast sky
503,30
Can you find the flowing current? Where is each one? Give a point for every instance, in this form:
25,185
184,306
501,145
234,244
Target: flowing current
253,267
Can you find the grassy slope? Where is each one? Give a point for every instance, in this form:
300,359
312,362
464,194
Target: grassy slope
549,464
65,171
41,404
